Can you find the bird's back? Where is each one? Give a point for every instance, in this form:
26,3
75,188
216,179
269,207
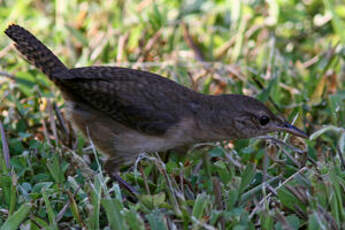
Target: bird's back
141,100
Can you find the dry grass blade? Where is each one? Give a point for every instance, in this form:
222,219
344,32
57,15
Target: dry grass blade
145,179
5,149
66,206
279,142
328,218
61,120
149,45
172,189
123,40
8,75
4,51
45,132
52,121
259,206
340,153
219,199
282,220
191,43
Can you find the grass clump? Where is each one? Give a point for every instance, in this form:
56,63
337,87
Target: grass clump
288,54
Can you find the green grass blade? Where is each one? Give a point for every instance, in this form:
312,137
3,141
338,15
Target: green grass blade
13,222
113,211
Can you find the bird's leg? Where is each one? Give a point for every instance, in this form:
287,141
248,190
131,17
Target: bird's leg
116,177
111,169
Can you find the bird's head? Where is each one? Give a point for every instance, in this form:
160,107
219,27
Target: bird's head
252,118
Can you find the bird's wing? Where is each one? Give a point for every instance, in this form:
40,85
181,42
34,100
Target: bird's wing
140,100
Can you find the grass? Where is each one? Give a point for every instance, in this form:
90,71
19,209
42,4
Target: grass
288,54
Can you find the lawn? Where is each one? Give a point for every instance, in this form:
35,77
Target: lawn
288,54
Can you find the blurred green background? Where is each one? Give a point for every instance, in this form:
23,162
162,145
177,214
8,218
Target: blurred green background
288,54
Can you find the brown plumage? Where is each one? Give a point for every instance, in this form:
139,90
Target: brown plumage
127,111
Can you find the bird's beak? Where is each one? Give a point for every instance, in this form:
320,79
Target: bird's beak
286,127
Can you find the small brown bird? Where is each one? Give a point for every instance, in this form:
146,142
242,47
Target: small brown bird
127,111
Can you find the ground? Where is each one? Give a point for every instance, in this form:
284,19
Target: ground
288,54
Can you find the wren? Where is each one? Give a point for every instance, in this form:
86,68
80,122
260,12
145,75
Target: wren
127,112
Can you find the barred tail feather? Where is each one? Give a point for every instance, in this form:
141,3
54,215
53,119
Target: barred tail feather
35,51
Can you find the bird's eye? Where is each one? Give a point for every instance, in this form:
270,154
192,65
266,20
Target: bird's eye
264,120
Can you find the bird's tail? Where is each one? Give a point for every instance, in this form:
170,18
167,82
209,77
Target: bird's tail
35,51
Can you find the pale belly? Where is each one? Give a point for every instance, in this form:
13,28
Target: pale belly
116,140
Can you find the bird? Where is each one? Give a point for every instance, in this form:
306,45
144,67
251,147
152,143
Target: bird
126,111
